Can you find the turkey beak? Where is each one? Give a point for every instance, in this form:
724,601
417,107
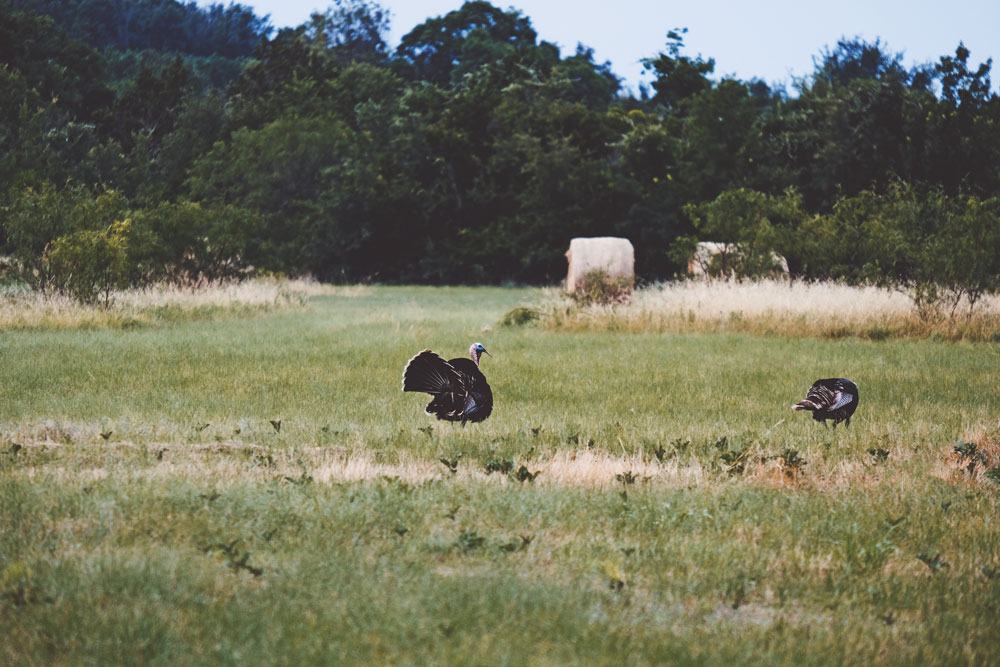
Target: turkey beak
487,352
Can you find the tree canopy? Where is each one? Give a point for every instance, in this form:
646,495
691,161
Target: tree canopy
471,153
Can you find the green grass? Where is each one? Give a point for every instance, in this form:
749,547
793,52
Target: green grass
198,533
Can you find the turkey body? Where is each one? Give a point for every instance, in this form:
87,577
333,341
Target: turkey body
459,390
831,398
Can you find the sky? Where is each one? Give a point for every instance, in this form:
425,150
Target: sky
774,40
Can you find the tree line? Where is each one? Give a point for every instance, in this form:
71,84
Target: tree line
176,143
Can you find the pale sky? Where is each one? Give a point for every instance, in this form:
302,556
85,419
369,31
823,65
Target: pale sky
774,40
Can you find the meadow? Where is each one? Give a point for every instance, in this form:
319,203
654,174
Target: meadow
247,484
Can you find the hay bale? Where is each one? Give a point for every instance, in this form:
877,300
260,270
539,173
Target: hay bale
726,256
705,252
615,256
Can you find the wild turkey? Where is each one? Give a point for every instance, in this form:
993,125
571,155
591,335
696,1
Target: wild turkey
832,398
459,388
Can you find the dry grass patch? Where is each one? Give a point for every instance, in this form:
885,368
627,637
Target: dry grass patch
819,475
228,463
777,471
826,310
22,309
973,460
232,462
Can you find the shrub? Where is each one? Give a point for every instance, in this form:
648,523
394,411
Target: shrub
185,242
519,317
36,216
599,288
756,231
87,265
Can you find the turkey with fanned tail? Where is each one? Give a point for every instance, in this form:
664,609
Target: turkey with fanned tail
831,398
459,389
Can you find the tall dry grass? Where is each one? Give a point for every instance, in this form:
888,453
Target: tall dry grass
25,309
826,310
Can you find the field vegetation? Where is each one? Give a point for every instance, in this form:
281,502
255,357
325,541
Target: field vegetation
163,303
199,465
767,306
253,488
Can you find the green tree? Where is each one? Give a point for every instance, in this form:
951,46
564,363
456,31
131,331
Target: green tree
711,140
964,128
150,104
166,25
187,243
35,217
442,49
288,73
835,244
964,255
52,101
352,31
293,152
858,123
584,81
678,77
856,59
200,122
862,121
754,228
647,172
943,250
89,264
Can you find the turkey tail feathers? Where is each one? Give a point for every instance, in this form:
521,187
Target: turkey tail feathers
831,398
428,373
458,388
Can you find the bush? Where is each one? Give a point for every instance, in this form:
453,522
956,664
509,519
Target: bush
519,317
185,242
69,239
87,265
758,229
599,288
940,249
36,216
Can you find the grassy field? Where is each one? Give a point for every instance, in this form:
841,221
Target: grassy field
253,488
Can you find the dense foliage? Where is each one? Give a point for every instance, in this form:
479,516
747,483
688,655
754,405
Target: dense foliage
164,25
475,151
